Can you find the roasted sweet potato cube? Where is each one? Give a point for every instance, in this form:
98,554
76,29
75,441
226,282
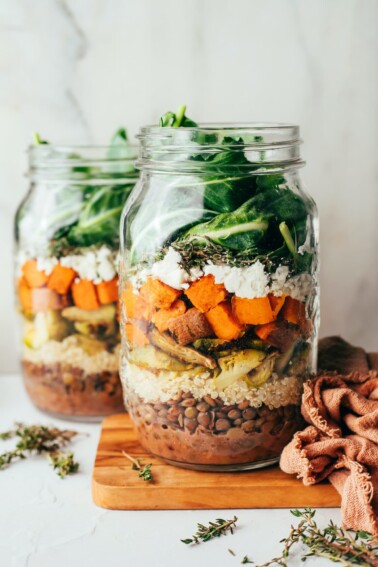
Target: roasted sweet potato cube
162,317
252,311
33,276
107,291
205,294
278,334
61,278
276,303
135,336
223,322
24,295
190,326
294,311
135,306
84,295
159,294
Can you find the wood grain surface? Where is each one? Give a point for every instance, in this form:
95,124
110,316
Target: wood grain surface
116,486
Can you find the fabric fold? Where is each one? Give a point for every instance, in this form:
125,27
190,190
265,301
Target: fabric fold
341,440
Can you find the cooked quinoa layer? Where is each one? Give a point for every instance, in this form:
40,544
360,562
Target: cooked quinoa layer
70,352
162,386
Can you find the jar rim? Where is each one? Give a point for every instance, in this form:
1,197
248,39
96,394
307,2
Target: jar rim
74,163
266,144
92,152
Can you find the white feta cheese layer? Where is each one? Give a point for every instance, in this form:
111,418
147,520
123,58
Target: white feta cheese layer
97,265
248,282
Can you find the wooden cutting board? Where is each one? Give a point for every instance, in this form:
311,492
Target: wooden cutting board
116,486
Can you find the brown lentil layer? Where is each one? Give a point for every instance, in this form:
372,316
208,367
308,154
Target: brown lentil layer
205,431
65,390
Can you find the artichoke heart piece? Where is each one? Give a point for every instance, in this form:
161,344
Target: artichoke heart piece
167,344
155,359
89,345
262,373
45,326
102,316
236,366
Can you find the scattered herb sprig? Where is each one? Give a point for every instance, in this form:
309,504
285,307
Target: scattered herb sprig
40,440
214,529
144,470
333,543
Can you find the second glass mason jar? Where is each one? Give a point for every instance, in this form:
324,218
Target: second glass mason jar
67,239
219,299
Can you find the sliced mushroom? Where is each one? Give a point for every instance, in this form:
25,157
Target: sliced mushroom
167,344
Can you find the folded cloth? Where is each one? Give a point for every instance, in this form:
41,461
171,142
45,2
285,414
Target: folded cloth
341,442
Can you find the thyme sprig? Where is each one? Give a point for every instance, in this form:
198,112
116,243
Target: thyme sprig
144,470
214,529
334,543
63,463
40,440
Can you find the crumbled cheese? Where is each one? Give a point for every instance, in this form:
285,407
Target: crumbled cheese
249,282
46,264
169,270
279,280
299,287
95,265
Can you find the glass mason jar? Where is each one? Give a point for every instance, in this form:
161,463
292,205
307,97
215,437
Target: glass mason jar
219,300
67,239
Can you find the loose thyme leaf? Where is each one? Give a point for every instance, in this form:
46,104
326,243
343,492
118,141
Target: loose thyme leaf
63,463
246,560
214,529
41,440
144,470
332,542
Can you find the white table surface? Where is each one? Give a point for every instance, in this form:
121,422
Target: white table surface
49,522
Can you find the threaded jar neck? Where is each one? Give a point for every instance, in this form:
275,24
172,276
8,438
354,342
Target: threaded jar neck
76,164
253,147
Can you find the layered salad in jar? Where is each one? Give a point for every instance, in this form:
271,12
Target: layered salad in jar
219,320
67,280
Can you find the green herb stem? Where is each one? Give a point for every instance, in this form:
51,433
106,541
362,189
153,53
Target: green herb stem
144,470
214,529
286,234
179,116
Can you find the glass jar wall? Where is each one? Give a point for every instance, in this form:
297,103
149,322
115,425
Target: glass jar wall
67,238
219,300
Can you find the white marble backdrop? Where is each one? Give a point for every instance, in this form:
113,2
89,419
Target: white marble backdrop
75,70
